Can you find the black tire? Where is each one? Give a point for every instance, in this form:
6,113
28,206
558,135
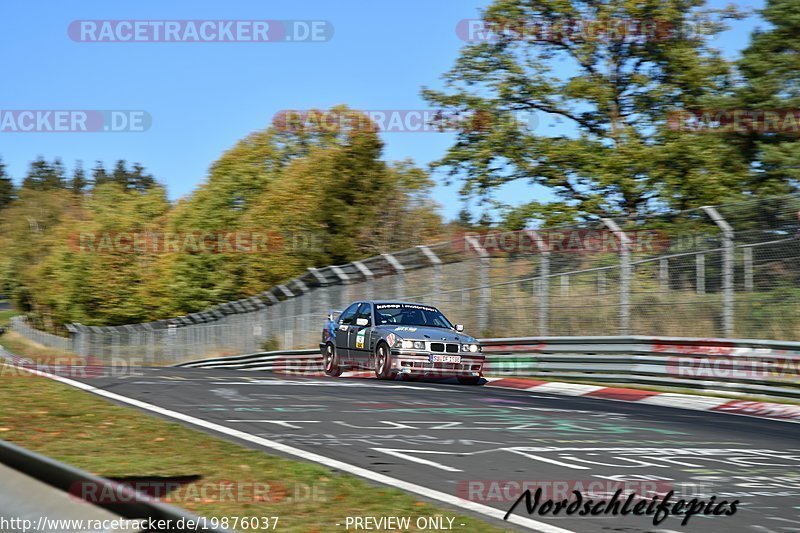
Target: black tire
469,380
330,362
383,356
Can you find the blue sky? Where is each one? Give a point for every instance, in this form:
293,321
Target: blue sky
203,97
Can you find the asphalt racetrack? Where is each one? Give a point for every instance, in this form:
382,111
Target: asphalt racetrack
484,444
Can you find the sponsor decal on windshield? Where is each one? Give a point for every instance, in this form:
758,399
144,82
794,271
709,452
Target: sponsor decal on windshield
407,306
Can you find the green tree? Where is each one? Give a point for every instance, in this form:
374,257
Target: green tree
139,180
78,182
44,176
611,91
99,174
7,191
770,67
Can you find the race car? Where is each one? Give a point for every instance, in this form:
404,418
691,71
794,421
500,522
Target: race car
399,338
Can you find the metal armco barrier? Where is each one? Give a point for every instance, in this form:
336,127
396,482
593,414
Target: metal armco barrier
745,366
125,502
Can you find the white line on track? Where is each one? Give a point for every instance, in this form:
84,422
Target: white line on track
425,492
284,423
403,454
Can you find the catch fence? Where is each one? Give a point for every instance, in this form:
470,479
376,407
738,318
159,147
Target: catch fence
726,271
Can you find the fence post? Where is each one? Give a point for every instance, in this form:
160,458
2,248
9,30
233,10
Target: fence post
748,268
400,280
304,312
437,273
663,274
368,277
727,269
544,282
344,281
700,282
288,316
483,300
322,290
624,276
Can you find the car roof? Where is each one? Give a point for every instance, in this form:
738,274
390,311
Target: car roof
394,302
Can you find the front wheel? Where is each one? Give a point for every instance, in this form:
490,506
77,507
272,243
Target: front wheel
331,362
382,362
469,380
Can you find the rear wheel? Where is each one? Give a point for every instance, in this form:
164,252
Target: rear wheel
382,362
330,362
469,380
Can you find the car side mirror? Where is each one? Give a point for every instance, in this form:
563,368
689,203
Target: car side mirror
362,322
459,327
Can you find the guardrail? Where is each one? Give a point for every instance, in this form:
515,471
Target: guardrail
738,366
126,502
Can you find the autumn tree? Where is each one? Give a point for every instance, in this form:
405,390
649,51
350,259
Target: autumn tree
611,88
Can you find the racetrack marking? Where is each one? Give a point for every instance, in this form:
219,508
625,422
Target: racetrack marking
685,401
403,454
425,492
548,460
766,410
392,425
285,423
342,383
617,457
566,389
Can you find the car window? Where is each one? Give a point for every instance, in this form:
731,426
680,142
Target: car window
411,315
349,314
365,311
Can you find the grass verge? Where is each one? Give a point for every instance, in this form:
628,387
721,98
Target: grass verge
5,316
112,441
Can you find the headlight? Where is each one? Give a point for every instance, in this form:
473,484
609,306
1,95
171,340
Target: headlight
474,348
412,345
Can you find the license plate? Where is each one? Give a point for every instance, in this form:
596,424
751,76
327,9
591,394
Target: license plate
445,358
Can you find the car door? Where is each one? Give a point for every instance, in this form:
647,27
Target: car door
345,323
358,343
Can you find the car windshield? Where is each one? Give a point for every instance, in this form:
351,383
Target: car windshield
410,315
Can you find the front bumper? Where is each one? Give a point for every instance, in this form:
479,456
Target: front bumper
414,362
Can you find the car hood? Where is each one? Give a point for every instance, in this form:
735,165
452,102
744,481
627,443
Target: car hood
427,333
